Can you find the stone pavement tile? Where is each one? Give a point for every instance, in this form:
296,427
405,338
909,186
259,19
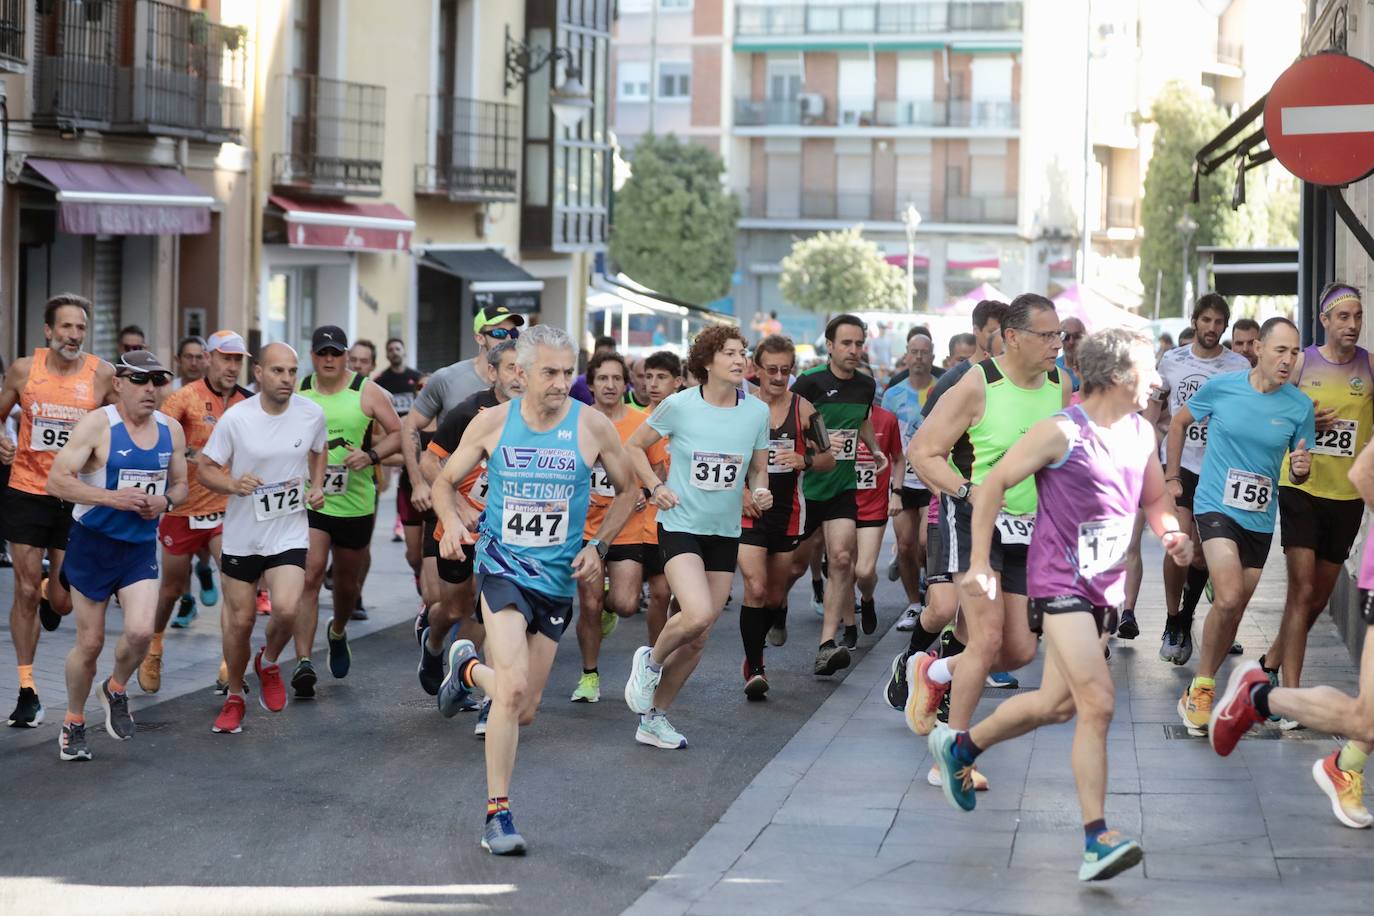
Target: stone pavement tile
1354,867
1160,782
1174,865
800,840
756,804
810,814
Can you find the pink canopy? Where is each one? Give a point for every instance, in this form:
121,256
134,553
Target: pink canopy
1091,308
964,305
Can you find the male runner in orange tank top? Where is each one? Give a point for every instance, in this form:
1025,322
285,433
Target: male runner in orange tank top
54,388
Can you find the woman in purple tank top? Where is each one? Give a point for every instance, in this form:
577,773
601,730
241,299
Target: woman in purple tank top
1094,464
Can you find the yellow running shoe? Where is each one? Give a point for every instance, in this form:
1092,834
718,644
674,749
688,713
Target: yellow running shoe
1346,791
980,782
150,672
608,623
588,689
1195,708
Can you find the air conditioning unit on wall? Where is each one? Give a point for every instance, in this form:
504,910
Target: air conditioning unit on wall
812,105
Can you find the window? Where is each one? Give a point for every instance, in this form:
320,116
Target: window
675,4
675,79
784,78
634,81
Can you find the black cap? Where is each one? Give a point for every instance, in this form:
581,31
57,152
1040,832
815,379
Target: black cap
140,361
329,337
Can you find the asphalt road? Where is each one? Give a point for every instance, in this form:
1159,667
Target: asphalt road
367,800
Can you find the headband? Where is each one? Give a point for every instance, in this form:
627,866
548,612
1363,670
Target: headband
1337,296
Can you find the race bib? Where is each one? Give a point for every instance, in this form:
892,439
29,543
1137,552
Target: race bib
715,470
335,479
1102,545
154,483
601,481
534,523
278,500
478,493
204,522
848,441
1338,441
775,448
1195,435
49,435
1246,491
1015,529
866,474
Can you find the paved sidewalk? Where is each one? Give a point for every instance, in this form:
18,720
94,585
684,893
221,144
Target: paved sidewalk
842,820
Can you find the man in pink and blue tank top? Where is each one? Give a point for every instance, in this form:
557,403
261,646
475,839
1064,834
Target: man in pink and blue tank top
1094,464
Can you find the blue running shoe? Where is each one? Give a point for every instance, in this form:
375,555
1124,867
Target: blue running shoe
453,694
209,595
639,689
500,838
340,655
1109,855
655,731
955,778
186,613
1003,680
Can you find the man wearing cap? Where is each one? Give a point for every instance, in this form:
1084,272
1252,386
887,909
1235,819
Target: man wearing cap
450,387
122,467
343,525
196,524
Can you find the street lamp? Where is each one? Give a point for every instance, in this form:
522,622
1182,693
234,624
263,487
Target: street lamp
1186,226
570,99
911,219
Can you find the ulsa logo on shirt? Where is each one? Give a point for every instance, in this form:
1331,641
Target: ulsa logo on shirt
521,458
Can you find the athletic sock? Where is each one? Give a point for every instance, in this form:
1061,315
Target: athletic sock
1092,830
1264,666
1259,695
1192,594
26,677
496,805
1201,681
964,750
921,638
115,686
952,647
590,671
939,671
465,673
754,624
828,644
434,653
652,665
1351,758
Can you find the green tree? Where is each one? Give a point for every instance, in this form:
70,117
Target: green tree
674,226
1185,120
841,272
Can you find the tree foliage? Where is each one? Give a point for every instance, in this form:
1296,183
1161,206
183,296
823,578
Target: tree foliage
1185,120
841,272
674,224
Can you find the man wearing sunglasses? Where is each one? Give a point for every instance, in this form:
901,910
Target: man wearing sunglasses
450,387
1071,331
122,468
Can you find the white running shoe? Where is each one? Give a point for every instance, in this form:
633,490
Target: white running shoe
639,689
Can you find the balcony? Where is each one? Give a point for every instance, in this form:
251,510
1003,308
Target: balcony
472,149
1122,213
981,209
865,112
336,133
879,206
12,29
759,20
1230,53
138,67
986,113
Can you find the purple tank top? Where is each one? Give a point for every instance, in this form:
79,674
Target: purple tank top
1086,511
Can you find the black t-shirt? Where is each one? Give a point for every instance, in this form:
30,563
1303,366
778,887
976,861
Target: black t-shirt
946,382
456,421
401,386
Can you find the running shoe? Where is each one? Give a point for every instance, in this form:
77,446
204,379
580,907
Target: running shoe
5,561
893,572
1289,725
452,692
264,604
500,838
71,743
924,695
1170,643
868,615
818,597
209,595
907,622
588,688
431,667
777,633
1234,715
150,671
942,714
480,729
639,689
896,691
50,619
230,718
1209,592
397,532
118,723
1345,789
955,779
359,612
655,731
1002,680
340,655
186,613
609,621
222,682
829,659
421,624
755,681
1128,628
1195,709
303,679
28,712
1185,647
271,690
980,782
1109,855
851,637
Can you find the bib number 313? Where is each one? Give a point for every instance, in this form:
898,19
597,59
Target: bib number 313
1246,491
715,470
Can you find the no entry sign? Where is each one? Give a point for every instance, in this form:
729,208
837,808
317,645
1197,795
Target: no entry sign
1319,119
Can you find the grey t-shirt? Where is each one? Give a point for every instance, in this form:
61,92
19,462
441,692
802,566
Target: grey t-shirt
449,387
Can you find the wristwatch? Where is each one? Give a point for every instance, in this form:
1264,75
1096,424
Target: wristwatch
965,490
601,547
372,453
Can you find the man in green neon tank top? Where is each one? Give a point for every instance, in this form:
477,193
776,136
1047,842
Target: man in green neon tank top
344,524
974,424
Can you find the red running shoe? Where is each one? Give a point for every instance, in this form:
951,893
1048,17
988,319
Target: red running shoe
271,692
1236,712
755,681
264,603
230,720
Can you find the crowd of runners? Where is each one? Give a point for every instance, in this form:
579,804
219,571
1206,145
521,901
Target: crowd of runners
1018,481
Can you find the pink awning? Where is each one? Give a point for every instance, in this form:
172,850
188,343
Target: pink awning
900,260
342,225
105,198
965,304
1094,310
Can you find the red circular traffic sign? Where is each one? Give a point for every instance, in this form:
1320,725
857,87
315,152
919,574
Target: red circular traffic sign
1319,119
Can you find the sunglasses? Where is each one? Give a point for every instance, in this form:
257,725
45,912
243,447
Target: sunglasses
329,351
503,333
156,379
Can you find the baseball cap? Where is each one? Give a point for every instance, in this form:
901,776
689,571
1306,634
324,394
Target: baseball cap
329,337
140,361
495,314
226,342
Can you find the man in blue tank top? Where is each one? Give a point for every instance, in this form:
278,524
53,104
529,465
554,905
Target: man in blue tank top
123,466
539,449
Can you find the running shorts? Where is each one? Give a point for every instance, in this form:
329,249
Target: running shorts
772,538
408,514
543,614
38,521
1188,480
719,554
1253,545
956,540
820,511
1106,618
1326,526
454,572
250,568
915,498
347,532
182,536
101,565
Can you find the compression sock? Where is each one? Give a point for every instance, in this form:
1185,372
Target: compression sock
1259,695
1192,594
496,805
1092,830
921,638
754,624
964,750
952,647
26,677
1351,758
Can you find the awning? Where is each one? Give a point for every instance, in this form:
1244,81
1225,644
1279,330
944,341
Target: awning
343,226
485,270
1251,271
103,198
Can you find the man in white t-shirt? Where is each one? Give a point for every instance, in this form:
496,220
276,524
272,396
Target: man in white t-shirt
268,454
